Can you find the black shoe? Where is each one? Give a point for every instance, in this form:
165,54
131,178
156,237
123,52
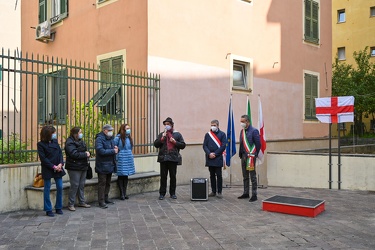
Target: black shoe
161,197
126,197
253,198
59,211
173,196
122,197
109,202
103,205
244,196
50,214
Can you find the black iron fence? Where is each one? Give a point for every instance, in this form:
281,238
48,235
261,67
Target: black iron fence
41,90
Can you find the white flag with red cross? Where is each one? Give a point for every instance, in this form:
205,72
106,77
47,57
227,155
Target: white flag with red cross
336,109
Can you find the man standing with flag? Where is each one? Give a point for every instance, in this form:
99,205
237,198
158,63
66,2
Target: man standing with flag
214,145
249,148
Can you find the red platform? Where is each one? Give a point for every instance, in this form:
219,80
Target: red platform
293,205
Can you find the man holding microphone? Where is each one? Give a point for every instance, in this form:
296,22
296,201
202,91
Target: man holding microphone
105,163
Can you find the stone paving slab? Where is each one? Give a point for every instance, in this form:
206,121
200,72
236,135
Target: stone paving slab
144,222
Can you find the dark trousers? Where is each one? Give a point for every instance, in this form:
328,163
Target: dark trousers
166,167
216,172
253,178
104,184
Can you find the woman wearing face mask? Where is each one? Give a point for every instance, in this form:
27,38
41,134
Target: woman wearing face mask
51,159
76,164
125,159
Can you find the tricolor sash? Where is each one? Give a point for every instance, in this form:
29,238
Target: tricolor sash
250,150
218,144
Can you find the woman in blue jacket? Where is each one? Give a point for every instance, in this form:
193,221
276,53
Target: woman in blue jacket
125,159
51,159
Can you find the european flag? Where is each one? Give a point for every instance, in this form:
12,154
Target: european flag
231,136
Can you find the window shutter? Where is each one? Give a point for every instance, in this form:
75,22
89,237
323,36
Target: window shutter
42,11
117,70
311,92
42,99
307,19
307,96
315,22
314,94
63,6
105,75
62,85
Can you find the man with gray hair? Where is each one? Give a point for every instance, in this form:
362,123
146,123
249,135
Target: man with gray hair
105,163
214,145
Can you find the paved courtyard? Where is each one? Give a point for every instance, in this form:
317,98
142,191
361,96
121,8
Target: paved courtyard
144,222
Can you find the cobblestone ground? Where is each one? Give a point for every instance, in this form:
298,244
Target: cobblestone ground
144,222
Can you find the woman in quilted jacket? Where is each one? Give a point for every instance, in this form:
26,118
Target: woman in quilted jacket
125,159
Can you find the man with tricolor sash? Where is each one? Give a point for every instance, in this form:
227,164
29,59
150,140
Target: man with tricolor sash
214,145
249,148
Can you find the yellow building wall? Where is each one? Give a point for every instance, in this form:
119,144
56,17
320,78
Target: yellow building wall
354,34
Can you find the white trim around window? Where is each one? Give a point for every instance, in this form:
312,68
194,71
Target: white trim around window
241,73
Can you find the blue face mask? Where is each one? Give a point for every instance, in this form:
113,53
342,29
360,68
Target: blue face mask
54,137
80,136
128,131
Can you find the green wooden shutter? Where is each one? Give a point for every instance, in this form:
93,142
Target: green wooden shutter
63,6
105,75
62,85
307,19
42,11
314,94
117,70
42,99
311,92
307,96
315,22
311,21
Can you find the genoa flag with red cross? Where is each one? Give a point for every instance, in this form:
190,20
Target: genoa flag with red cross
336,109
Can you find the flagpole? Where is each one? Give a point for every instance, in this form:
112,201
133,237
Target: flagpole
330,156
339,159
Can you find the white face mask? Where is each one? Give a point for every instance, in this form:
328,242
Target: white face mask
243,125
110,133
213,128
80,136
168,127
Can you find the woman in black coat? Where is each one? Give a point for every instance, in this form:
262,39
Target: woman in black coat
51,159
76,164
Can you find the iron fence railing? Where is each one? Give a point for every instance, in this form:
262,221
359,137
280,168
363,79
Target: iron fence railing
42,90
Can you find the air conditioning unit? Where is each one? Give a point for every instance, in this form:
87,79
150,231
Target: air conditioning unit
43,31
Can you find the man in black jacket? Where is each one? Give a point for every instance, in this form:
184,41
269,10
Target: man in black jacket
169,144
214,145
105,163
249,148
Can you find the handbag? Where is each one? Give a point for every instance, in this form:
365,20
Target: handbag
38,181
179,162
89,171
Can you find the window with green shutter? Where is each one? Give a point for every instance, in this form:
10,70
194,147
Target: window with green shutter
311,21
52,10
52,97
109,96
42,11
311,92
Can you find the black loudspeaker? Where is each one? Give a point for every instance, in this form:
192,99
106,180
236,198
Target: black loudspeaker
199,189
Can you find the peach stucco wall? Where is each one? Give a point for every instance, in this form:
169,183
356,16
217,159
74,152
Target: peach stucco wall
91,30
191,42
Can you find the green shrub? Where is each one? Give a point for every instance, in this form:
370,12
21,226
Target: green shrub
14,151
